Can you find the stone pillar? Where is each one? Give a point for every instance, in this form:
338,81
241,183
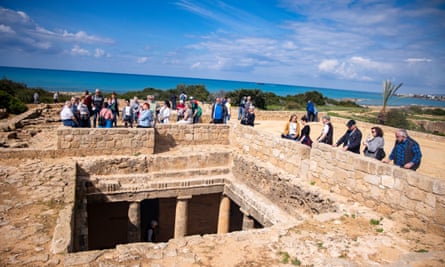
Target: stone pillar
224,215
248,222
134,222
181,216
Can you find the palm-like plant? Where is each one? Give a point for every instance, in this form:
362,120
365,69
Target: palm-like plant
389,90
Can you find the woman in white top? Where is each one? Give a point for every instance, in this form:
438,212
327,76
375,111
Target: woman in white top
292,128
164,112
67,116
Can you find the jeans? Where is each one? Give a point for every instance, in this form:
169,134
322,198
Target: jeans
95,116
240,113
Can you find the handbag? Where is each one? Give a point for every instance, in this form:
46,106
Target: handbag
380,153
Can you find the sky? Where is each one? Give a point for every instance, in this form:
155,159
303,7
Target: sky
353,45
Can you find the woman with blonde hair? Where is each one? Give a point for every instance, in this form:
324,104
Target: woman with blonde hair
292,128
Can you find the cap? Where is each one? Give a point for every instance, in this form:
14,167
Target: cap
350,123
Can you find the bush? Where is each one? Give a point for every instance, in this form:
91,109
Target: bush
397,118
435,111
415,110
4,100
16,106
257,96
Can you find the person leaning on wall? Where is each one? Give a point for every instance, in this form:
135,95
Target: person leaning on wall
406,152
374,144
352,138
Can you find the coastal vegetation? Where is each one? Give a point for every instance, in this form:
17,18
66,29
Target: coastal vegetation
14,96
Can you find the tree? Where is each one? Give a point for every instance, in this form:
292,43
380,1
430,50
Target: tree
389,90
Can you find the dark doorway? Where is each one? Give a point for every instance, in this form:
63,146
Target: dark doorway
107,225
236,217
149,212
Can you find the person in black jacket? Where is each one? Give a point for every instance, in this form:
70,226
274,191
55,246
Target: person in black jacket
249,117
352,139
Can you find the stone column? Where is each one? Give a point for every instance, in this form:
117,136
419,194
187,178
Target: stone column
181,216
134,222
248,222
224,215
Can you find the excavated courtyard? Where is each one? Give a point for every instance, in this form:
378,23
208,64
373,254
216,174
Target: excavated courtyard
306,220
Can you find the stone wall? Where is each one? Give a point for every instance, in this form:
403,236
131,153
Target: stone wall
131,141
437,127
171,135
410,197
100,141
281,153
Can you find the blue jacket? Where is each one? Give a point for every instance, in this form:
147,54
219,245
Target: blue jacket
146,118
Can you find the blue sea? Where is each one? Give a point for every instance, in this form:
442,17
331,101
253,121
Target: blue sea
78,81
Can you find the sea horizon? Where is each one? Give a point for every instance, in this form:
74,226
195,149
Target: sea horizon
78,81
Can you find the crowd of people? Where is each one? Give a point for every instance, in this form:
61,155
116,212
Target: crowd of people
405,153
98,111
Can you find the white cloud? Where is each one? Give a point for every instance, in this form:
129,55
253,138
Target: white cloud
77,50
196,65
418,60
354,68
33,38
142,60
23,15
328,65
99,53
83,37
6,29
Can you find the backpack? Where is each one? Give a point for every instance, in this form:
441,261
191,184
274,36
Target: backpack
102,122
380,154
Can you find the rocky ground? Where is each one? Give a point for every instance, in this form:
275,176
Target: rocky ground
32,194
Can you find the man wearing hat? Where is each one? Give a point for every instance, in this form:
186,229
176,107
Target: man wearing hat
352,139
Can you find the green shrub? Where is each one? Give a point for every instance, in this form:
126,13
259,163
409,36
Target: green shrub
397,118
4,100
415,110
257,96
436,111
16,106
11,103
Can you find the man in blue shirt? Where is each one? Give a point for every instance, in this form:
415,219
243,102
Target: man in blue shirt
219,111
406,152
